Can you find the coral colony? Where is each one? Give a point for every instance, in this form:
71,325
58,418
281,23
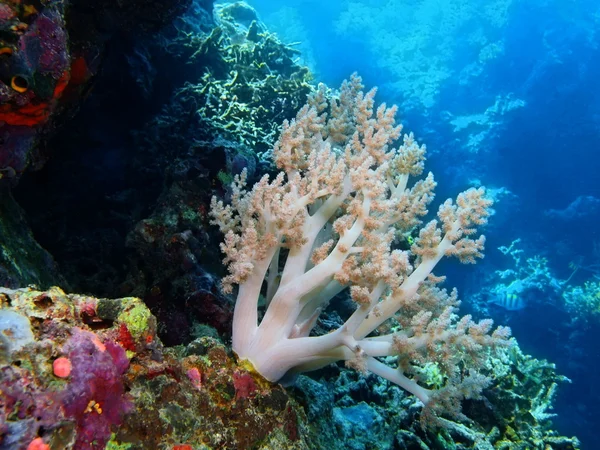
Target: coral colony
330,220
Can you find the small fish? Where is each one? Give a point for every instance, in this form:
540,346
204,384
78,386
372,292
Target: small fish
508,301
511,298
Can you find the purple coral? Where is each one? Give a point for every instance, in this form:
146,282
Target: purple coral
95,398
54,56
25,408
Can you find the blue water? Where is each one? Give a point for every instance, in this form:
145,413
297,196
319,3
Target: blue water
505,94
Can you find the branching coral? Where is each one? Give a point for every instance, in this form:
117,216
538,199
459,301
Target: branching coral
252,81
583,302
327,222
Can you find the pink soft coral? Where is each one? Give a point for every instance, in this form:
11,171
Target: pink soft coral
331,221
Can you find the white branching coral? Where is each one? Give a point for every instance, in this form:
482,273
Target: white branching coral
331,221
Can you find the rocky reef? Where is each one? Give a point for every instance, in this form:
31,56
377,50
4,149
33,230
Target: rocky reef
87,373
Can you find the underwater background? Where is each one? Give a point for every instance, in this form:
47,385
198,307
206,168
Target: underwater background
115,180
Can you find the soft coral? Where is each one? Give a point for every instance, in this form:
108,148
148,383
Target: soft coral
95,397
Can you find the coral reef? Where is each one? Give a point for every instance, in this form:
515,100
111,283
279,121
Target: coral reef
582,303
347,410
139,227
82,372
521,397
35,70
88,373
209,132
255,84
249,83
85,373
